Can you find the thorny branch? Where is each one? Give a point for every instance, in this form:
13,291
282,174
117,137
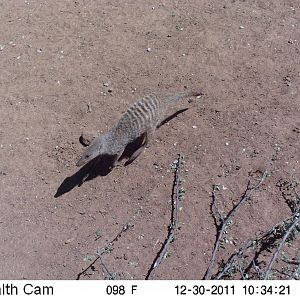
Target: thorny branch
296,274
265,241
109,275
278,250
174,220
225,222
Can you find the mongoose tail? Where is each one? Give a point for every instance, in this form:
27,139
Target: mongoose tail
179,96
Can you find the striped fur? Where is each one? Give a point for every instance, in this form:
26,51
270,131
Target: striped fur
140,116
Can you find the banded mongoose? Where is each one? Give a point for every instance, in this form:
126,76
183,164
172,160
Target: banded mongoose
138,122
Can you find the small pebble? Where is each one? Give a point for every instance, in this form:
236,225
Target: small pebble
241,27
2,47
148,49
194,126
141,236
68,241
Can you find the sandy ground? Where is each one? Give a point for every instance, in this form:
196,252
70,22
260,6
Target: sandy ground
69,67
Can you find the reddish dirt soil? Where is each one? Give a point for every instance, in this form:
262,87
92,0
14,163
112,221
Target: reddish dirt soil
57,58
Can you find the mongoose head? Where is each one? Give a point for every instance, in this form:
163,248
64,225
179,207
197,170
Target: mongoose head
92,151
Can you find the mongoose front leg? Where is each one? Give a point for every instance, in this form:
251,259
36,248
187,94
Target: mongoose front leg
116,161
146,137
135,154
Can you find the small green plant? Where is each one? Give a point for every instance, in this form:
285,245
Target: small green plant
98,235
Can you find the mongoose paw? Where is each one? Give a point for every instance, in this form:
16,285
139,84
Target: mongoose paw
117,165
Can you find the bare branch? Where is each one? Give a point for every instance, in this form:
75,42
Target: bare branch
296,274
174,220
109,275
229,216
278,250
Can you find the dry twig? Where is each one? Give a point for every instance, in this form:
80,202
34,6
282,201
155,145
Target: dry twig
224,222
109,275
174,220
265,241
278,250
107,249
296,274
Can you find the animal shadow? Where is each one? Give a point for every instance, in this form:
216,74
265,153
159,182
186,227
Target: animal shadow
99,166
171,117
